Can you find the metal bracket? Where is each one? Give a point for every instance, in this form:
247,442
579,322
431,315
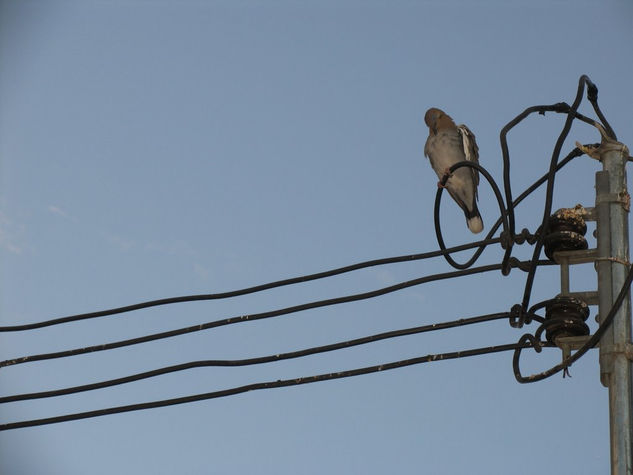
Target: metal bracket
590,214
569,343
567,258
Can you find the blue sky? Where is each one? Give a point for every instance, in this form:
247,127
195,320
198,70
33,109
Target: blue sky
158,148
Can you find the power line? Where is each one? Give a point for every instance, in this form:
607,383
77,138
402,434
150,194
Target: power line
259,316
508,238
259,360
267,385
248,290
443,251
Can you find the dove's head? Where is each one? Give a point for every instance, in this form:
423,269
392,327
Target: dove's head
437,119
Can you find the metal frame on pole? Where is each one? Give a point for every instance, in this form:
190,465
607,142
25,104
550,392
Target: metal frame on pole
612,208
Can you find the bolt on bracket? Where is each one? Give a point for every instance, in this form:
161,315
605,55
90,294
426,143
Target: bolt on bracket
569,343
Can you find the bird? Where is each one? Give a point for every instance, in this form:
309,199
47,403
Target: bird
447,145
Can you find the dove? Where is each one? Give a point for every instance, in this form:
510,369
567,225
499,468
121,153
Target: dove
447,145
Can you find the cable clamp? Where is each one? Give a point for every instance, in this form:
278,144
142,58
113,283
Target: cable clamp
517,316
624,262
607,145
623,198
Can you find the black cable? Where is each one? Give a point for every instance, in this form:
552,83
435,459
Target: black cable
258,316
481,245
505,153
590,343
258,360
592,95
561,108
436,210
248,290
572,113
549,194
264,385
576,152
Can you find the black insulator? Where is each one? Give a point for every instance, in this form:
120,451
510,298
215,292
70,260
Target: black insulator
566,231
565,316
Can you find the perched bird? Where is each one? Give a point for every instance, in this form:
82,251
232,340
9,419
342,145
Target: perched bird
447,145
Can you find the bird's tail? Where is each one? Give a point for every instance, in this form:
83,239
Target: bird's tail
473,219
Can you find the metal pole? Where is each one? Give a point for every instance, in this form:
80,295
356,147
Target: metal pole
612,205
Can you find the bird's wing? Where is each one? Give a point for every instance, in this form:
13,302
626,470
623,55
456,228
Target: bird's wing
427,146
471,151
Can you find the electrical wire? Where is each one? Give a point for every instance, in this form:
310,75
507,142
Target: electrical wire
438,198
248,290
505,153
590,343
592,95
571,115
443,251
259,316
267,385
576,152
561,108
258,360
507,219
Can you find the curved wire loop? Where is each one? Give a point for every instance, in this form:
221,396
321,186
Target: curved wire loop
436,214
509,237
571,115
567,362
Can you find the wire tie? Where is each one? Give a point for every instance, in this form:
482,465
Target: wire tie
623,198
624,262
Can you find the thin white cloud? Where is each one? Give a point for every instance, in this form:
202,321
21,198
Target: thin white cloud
7,244
59,211
8,239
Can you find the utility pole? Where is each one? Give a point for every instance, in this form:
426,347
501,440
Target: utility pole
616,351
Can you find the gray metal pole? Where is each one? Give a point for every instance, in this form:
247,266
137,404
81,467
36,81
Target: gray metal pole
612,205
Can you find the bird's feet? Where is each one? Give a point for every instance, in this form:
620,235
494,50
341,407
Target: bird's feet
444,179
